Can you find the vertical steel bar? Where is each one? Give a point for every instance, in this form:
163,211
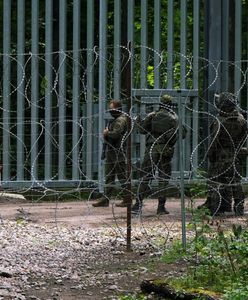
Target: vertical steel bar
196,12
181,167
90,87
102,85
130,22
117,53
48,94
157,42
130,38
247,115
214,45
170,45
183,43
170,61
188,138
20,89
238,45
62,87
143,65
231,46
34,89
76,88
6,88
225,46
183,54
129,147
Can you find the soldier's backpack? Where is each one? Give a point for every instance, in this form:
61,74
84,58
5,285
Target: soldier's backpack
164,121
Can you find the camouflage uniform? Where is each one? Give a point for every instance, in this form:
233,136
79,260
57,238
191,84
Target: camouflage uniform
228,133
161,135
115,164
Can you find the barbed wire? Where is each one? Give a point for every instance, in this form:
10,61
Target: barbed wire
86,126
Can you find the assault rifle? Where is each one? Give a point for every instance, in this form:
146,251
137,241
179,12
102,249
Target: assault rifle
105,144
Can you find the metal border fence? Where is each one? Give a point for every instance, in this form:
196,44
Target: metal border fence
96,28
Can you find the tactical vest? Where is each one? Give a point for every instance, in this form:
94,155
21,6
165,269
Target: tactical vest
231,131
165,123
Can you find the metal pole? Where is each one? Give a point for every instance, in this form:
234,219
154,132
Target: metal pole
196,13
48,95
76,88
102,85
117,53
157,42
34,90
90,87
6,89
238,47
129,146
62,87
20,89
181,165
225,45
170,44
143,65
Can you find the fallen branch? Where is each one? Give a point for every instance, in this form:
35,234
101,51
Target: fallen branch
164,289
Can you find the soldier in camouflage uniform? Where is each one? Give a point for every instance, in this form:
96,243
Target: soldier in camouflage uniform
160,129
228,132
115,164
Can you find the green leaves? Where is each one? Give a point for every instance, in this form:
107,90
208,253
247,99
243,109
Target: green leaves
43,85
217,258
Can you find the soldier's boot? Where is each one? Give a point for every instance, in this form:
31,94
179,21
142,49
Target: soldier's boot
239,208
123,203
226,201
137,207
206,204
161,210
226,208
103,202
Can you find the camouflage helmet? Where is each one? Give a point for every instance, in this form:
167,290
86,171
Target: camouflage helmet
166,99
226,102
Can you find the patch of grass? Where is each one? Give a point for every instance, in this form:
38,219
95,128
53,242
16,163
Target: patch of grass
174,253
217,261
238,291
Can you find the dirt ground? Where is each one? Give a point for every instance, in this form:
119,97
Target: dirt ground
82,213
133,266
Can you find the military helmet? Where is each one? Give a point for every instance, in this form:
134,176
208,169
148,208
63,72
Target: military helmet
226,102
166,99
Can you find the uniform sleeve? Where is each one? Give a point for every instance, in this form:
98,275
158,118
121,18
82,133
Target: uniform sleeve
214,127
244,129
145,126
118,130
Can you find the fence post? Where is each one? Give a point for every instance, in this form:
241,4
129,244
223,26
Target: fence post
181,167
129,143
102,85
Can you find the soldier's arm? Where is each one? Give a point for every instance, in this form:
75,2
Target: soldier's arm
244,130
145,125
214,128
118,130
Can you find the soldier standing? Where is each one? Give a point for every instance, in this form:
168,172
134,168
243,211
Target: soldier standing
228,132
161,130
115,163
